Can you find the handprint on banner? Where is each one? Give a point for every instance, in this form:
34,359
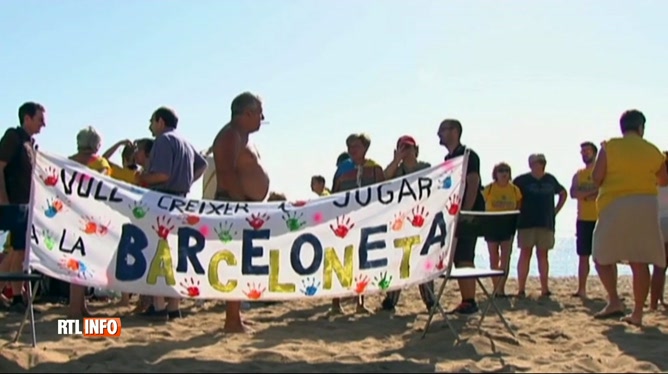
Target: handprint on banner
361,282
419,215
310,286
254,291
343,226
88,225
75,266
398,222
293,220
257,220
190,219
440,265
50,178
382,281
453,205
139,210
53,207
445,183
103,229
49,240
224,232
163,227
190,287
448,165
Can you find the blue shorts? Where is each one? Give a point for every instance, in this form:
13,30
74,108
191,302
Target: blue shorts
14,218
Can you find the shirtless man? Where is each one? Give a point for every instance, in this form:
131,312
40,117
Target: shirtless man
239,174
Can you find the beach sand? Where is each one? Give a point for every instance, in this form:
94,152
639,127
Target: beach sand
553,335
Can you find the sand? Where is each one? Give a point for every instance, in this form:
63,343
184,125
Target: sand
553,335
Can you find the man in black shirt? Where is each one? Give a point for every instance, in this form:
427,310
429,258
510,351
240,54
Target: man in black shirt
450,133
17,157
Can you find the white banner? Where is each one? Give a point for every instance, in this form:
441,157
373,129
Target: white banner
92,230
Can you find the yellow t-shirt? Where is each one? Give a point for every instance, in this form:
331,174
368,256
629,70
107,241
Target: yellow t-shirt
324,192
502,198
123,174
585,182
632,164
99,164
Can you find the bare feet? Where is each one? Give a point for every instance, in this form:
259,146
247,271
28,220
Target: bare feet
237,327
614,310
633,319
336,310
361,309
580,294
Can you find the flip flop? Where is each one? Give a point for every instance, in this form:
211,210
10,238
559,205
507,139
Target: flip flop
609,315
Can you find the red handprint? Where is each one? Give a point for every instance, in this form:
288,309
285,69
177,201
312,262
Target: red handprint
440,265
89,225
256,221
418,216
298,203
343,226
453,205
51,177
190,287
164,227
190,219
360,284
103,229
254,291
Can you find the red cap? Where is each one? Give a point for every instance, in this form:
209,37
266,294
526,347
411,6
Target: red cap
406,140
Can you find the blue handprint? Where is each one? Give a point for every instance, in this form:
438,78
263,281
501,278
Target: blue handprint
445,182
309,286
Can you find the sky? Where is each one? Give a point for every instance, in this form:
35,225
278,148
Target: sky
521,76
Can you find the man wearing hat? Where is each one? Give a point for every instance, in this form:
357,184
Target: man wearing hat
405,162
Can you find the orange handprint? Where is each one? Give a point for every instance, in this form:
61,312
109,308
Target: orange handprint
164,226
190,219
89,225
254,291
418,216
397,223
361,282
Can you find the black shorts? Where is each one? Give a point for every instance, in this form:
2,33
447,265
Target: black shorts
584,233
14,218
465,250
498,238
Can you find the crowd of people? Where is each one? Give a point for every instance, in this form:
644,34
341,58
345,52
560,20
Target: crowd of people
616,191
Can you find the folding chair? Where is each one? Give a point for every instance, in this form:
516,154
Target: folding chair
29,313
476,224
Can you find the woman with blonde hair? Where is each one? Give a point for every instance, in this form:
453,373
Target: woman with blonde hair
88,145
627,230
500,196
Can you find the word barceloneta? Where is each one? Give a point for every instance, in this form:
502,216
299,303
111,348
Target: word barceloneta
91,327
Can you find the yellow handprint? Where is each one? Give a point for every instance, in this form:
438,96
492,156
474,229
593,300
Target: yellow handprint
398,222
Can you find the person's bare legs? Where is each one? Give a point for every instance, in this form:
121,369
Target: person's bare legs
16,266
608,276
233,322
506,248
658,284
543,270
360,308
640,290
4,268
583,275
523,270
77,305
494,262
125,299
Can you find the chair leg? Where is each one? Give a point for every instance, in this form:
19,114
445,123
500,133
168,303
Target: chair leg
437,306
29,313
491,302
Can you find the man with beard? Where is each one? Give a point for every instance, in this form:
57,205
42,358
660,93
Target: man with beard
585,191
239,173
450,135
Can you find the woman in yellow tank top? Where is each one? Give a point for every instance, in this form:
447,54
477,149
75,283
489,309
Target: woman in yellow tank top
88,144
627,230
501,195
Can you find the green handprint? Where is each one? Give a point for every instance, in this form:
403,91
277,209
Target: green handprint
49,241
293,220
139,210
224,232
383,282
